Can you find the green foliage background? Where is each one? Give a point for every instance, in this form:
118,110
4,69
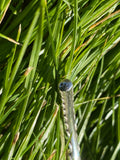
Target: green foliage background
42,42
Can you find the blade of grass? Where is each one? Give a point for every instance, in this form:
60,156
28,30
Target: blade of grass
28,89
45,135
11,61
17,64
115,152
68,65
24,144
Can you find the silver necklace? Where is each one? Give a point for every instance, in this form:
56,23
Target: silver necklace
66,90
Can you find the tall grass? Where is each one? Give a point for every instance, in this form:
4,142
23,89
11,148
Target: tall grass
42,42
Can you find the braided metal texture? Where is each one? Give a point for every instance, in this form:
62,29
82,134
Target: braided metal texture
66,90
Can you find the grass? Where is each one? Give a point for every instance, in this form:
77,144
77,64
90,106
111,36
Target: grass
42,42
